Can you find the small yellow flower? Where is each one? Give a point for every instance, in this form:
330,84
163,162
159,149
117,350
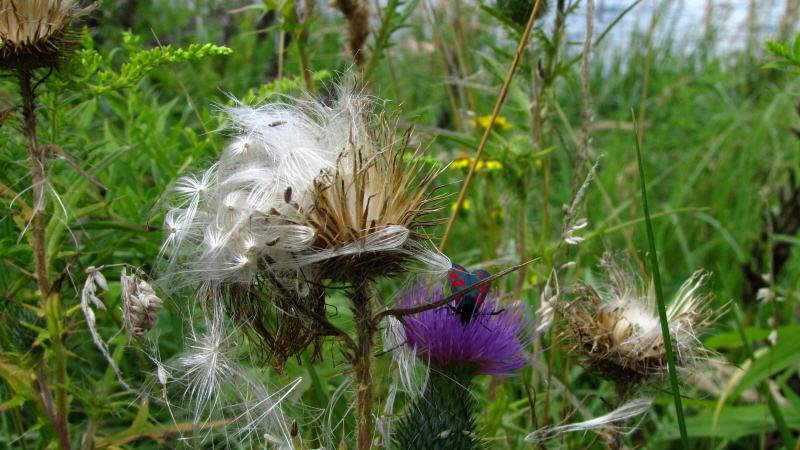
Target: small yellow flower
465,163
462,163
497,214
465,206
490,164
500,121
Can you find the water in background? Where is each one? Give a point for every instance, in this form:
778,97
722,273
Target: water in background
735,23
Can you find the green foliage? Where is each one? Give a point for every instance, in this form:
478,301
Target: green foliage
790,55
87,71
717,148
111,148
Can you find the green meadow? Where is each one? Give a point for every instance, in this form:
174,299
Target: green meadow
137,102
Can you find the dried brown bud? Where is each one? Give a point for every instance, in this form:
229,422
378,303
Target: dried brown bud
139,305
36,33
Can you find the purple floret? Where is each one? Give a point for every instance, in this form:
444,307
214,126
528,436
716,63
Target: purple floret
490,344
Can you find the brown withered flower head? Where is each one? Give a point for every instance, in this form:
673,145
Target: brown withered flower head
36,33
616,331
306,195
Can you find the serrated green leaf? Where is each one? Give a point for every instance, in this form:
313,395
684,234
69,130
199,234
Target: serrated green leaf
797,47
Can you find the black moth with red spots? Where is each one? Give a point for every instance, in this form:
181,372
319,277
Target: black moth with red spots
459,279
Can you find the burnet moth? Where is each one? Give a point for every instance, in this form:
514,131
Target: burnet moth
467,305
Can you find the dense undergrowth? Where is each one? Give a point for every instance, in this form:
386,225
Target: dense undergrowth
720,150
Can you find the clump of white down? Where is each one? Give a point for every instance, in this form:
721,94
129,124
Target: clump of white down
636,327
221,223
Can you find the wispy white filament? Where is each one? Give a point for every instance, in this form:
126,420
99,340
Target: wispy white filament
633,408
248,213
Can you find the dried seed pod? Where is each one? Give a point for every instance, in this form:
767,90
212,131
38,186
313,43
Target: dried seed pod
139,305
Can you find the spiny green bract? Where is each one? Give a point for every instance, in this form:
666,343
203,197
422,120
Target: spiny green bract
442,418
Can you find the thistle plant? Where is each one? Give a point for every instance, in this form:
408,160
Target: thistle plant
306,197
34,36
493,343
615,331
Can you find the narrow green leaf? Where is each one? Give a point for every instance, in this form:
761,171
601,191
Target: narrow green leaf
783,355
662,308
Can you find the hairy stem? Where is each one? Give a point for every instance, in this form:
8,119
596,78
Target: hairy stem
38,181
364,363
51,300
57,333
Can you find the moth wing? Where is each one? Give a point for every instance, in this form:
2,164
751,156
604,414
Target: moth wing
483,290
458,278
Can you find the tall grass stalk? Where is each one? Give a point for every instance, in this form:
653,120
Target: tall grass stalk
662,309
522,44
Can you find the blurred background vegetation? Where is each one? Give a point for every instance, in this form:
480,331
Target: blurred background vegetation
720,144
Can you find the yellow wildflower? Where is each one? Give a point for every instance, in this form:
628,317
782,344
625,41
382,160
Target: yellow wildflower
465,206
500,121
465,163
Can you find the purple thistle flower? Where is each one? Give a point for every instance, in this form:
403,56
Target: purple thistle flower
491,343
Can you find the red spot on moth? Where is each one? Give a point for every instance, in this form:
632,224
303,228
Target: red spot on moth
459,283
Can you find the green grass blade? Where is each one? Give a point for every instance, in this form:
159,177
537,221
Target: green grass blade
774,409
662,309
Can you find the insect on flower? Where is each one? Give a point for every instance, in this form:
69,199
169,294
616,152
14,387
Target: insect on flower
459,279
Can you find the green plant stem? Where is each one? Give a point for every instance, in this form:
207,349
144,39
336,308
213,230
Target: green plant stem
51,300
38,180
55,326
381,39
662,309
364,363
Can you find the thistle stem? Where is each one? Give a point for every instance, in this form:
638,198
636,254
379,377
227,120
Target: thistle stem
364,362
51,300
38,181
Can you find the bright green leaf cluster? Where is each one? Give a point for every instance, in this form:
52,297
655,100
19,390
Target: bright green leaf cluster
791,56
88,72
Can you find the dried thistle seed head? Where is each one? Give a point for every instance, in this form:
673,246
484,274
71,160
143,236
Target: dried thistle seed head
617,332
305,193
36,33
139,305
